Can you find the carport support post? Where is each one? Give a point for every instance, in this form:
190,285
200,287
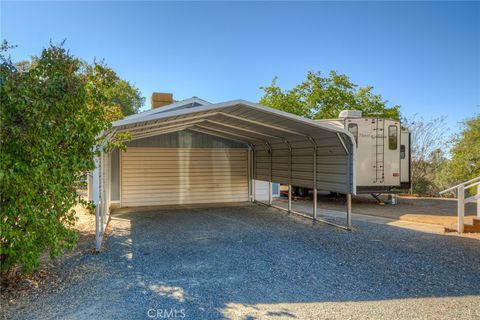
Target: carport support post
289,176
95,199
314,180
349,211
103,202
253,174
106,211
289,198
270,200
460,207
249,169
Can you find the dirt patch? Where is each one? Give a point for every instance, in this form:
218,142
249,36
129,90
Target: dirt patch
438,211
433,219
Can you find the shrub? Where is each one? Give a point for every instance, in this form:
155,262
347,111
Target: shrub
422,186
52,115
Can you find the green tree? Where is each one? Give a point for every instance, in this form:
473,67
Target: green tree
464,163
120,92
320,97
52,117
428,141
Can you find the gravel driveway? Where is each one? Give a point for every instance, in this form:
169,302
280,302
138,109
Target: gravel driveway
254,262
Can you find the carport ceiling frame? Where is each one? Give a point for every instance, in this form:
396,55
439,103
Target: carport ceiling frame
238,120
216,109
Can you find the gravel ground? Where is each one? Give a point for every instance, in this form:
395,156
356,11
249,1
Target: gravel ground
254,262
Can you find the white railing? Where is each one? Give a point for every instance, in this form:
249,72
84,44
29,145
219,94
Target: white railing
461,200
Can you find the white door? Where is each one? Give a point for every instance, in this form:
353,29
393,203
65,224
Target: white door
405,157
166,176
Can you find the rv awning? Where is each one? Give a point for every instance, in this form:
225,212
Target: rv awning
287,149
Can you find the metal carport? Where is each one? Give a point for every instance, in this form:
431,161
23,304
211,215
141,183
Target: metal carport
283,148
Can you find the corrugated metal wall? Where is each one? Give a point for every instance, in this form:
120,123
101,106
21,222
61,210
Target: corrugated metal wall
185,139
165,176
333,166
180,139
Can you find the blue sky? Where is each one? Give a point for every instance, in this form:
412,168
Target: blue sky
423,56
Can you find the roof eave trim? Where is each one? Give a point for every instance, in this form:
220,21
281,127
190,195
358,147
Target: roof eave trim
212,107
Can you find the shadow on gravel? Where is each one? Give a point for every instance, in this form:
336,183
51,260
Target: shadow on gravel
201,261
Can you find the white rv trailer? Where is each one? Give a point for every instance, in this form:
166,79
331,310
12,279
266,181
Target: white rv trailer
383,151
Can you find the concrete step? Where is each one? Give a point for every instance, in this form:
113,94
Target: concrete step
472,226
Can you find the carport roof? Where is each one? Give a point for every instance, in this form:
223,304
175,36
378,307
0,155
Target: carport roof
239,120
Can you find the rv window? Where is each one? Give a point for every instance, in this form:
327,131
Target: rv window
402,151
392,137
353,129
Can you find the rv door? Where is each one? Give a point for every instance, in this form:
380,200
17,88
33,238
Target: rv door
405,159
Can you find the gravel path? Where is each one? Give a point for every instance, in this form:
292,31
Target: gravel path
255,262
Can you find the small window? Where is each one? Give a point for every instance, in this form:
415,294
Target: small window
402,151
353,129
392,137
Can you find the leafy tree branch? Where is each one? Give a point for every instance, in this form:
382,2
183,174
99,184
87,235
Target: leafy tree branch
323,97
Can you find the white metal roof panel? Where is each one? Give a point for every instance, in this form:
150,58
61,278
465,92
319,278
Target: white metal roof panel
261,128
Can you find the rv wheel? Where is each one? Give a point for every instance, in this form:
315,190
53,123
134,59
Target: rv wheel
302,192
294,191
